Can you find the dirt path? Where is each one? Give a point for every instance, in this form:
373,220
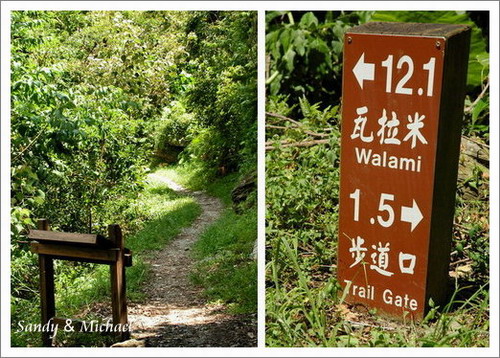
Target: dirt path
175,314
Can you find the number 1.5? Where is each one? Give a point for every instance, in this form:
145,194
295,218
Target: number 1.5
383,206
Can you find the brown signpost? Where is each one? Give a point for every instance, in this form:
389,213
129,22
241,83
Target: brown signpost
402,108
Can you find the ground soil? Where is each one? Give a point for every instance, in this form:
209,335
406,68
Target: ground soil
175,313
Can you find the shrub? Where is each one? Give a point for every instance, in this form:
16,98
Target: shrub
173,133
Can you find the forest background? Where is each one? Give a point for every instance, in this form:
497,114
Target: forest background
99,100
304,305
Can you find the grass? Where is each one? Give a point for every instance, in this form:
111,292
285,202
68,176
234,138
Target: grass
225,267
309,316
197,178
149,223
304,301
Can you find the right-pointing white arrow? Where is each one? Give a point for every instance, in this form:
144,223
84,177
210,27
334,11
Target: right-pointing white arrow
364,71
411,214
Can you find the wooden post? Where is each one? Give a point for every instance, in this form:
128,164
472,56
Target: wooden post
47,301
118,286
402,108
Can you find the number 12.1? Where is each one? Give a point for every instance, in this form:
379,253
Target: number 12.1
400,86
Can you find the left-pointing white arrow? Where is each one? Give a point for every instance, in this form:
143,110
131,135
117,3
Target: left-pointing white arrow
411,214
364,71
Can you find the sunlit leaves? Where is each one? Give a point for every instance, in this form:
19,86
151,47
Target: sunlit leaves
305,53
223,91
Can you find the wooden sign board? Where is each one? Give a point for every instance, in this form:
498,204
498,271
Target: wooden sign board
402,108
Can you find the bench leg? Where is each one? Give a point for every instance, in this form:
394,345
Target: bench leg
47,302
118,297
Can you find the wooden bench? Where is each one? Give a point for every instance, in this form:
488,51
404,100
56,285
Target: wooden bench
51,245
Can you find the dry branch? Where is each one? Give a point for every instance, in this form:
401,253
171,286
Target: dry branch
30,143
276,127
297,126
309,143
271,142
481,95
284,118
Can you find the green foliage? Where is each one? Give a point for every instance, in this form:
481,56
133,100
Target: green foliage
477,71
205,149
222,59
225,266
151,220
305,52
75,143
304,301
297,180
477,105
471,242
133,50
173,132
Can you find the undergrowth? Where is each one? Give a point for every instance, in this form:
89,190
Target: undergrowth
149,223
304,301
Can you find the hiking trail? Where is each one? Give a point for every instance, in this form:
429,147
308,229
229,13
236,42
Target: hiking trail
175,313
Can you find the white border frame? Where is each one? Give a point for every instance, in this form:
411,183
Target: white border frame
8,6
